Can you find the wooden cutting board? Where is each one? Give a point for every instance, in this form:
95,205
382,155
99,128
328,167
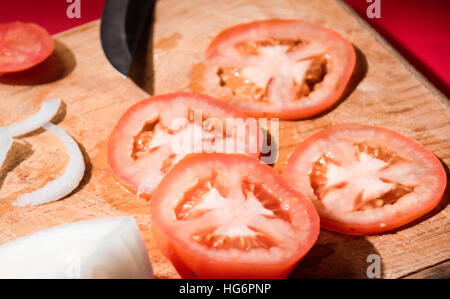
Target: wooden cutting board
385,91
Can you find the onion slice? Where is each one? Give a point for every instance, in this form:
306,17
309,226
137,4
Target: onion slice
67,182
101,248
44,115
5,144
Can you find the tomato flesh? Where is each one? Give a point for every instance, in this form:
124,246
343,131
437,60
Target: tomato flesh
366,180
278,68
155,134
230,216
22,46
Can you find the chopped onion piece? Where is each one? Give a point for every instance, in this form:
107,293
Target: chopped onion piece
5,144
67,182
44,115
101,248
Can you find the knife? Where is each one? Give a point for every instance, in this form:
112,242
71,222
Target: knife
125,30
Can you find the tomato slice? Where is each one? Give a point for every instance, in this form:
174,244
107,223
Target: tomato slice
364,179
277,68
22,46
156,133
230,216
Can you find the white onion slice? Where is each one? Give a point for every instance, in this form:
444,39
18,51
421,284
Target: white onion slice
67,182
5,144
101,248
44,115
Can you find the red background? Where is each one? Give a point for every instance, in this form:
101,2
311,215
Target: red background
418,29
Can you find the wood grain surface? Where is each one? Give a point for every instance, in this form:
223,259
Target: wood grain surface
384,91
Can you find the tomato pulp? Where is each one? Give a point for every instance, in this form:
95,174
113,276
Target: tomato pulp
22,46
278,68
230,216
364,179
156,133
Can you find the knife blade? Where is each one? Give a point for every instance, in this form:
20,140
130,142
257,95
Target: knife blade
125,27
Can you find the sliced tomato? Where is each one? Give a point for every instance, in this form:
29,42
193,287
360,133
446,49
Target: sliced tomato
156,133
278,68
230,216
364,179
22,46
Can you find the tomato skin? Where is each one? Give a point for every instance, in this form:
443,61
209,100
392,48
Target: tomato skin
29,32
169,251
118,137
192,264
374,227
346,56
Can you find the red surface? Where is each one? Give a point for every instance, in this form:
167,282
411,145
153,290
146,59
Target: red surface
418,29
50,14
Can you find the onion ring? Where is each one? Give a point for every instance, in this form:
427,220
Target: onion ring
67,182
5,144
44,115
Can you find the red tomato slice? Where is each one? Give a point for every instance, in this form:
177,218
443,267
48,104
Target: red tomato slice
366,180
230,216
278,68
154,134
22,46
